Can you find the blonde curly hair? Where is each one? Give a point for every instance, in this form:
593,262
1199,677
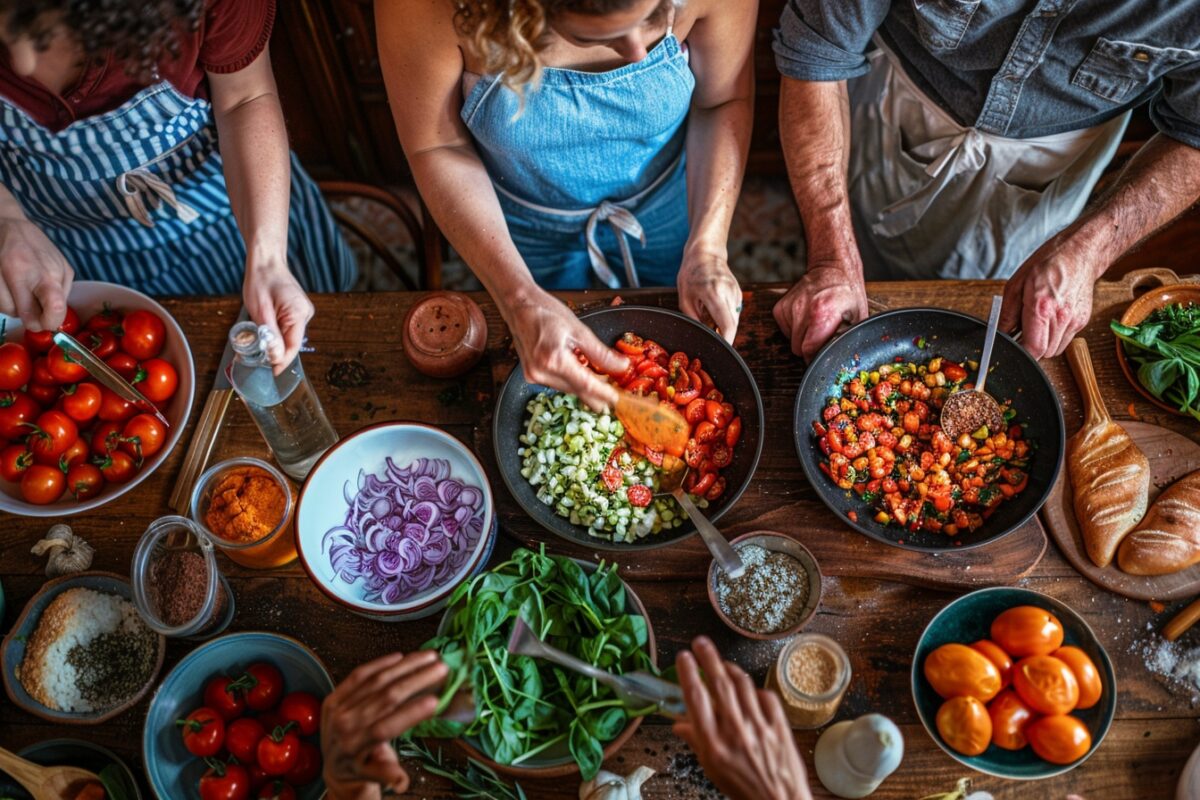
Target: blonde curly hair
510,35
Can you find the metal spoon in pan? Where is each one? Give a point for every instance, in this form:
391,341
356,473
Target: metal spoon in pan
968,410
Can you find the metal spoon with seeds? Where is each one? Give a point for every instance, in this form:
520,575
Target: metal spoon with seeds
968,410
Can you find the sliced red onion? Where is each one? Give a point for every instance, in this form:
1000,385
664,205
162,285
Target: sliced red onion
411,529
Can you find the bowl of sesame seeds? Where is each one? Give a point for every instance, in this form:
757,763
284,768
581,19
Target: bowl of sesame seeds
777,594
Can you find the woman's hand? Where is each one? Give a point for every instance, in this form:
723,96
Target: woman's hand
274,298
827,295
738,732
547,334
35,278
379,701
706,286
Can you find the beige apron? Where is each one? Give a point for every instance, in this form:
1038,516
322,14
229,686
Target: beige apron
932,199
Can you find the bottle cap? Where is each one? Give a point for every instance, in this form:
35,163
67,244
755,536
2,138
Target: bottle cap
445,334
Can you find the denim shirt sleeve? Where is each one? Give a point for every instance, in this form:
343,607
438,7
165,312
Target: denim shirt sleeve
819,40
1176,109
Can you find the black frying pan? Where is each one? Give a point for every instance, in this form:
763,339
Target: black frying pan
1014,376
673,331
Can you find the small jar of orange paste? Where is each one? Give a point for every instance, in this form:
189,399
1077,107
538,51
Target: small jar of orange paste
245,505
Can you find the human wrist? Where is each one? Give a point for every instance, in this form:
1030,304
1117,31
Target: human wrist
1096,241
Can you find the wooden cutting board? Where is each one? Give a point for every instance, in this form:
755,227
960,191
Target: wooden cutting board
1171,455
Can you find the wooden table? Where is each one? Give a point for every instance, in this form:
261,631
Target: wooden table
877,622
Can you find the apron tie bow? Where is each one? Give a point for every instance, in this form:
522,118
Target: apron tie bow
624,223
140,186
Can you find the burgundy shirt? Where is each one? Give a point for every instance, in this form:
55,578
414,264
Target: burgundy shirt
231,34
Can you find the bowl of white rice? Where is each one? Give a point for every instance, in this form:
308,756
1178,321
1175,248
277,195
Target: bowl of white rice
80,654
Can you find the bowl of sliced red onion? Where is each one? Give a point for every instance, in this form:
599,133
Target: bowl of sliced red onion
393,518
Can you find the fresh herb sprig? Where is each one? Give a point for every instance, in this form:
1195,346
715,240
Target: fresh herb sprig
475,782
1165,347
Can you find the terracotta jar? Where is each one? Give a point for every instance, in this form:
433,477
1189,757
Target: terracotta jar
445,334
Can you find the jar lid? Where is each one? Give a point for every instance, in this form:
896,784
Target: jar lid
444,334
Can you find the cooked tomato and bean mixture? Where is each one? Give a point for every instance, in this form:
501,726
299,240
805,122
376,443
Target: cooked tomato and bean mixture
882,440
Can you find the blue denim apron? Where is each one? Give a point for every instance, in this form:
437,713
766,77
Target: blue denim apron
137,196
590,148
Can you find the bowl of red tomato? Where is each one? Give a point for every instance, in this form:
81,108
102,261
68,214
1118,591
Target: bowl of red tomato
239,717
68,444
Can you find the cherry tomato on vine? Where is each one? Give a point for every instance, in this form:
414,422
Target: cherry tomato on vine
307,767
84,481
14,460
125,365
64,366
77,453
104,320
102,343
143,436
51,434
81,402
242,738
105,438
224,696
117,466
203,732
16,366
266,687
143,334
16,408
43,485
278,750
302,708
157,380
225,782
113,408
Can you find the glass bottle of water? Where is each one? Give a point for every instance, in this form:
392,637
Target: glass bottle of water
284,406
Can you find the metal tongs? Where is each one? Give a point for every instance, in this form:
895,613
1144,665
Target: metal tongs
107,376
630,687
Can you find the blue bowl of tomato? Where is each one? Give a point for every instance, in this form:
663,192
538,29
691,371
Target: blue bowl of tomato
866,416
1036,624
289,682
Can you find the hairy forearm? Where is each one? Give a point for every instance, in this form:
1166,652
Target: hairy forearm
254,148
814,126
718,140
1159,183
456,187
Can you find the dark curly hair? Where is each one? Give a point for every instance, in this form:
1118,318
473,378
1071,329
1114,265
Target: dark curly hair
141,34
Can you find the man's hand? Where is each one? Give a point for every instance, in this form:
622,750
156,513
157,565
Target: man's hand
706,285
738,732
35,278
378,702
828,295
1050,296
274,298
546,334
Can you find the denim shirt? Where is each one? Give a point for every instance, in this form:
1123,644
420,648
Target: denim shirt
1015,68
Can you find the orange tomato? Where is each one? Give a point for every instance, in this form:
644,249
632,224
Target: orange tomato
965,725
1047,684
1059,739
956,670
1009,715
997,656
1085,672
1027,631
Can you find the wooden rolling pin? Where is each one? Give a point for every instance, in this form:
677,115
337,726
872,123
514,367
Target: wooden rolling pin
1182,621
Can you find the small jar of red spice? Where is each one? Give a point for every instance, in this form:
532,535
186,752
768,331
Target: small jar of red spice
178,588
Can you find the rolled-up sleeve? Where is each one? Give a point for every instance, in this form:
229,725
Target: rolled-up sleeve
1176,109
820,40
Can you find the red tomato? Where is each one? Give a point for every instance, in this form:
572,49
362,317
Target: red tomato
266,686
694,413
157,380
16,408
638,495
733,433
77,453
1027,631
43,485
81,402
222,695
41,341
277,790
1046,684
1088,677
125,365
1059,739
41,372
997,656
64,367
14,460
143,334
102,343
225,782
631,344
953,372
84,481
203,732
242,738
44,394
143,436
277,751
720,455
965,725
52,434
117,466
257,776
104,320
105,437
113,408
955,670
716,490
716,414
307,767
706,432
16,367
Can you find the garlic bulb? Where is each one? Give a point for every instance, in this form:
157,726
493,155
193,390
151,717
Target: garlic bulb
960,793
68,553
607,786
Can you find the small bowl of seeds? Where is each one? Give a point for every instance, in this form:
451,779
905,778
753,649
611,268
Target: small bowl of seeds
777,594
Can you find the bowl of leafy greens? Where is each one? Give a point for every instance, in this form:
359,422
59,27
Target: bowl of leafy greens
1158,347
533,719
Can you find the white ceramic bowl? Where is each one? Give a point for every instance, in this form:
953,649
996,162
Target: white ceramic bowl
88,298
324,504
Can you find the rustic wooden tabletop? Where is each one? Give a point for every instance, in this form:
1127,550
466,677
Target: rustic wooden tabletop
877,620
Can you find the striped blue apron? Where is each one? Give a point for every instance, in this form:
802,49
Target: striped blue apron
137,196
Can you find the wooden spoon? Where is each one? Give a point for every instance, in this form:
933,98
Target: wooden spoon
656,425
1110,476
46,783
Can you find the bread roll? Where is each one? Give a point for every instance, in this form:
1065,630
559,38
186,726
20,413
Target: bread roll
1168,539
1110,479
